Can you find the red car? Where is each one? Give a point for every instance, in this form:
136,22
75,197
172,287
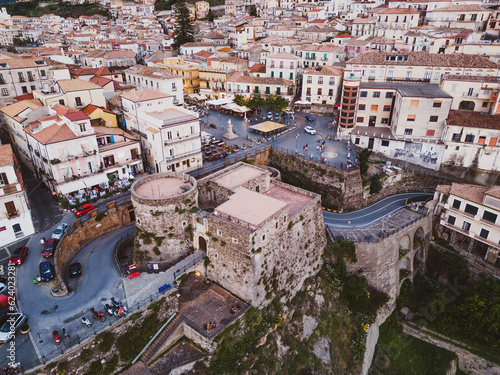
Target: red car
85,209
49,247
19,255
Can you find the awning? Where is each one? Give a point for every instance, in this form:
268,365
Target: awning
70,187
267,127
96,180
197,96
220,101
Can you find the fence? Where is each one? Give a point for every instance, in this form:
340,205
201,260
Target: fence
115,253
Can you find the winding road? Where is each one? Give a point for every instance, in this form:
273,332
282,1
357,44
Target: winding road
370,215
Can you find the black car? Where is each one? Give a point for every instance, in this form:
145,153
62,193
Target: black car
46,271
75,269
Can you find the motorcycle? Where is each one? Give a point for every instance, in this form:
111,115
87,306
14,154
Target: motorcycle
65,333
56,337
97,315
110,309
86,322
119,306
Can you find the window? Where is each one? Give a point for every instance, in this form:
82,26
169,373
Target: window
436,76
330,92
376,94
490,216
385,121
360,119
364,94
451,220
33,87
3,179
466,226
388,95
481,140
469,138
332,81
484,233
484,105
437,104
374,107
320,80
411,117
414,103
21,76
456,137
5,92
78,101
408,131
281,64
25,89
385,143
456,204
291,64
470,209
430,133
11,209
320,91
493,141
387,108
82,128
42,73
309,79
361,107
433,119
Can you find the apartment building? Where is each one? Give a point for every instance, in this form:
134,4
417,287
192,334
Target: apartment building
417,66
473,93
247,86
17,116
15,213
312,55
156,79
362,27
202,9
74,93
170,135
468,218
320,85
283,65
19,76
472,141
470,16
118,59
394,23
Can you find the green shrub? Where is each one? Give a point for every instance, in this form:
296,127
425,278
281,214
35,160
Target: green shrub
86,355
206,261
95,368
156,250
51,365
100,216
111,365
131,342
105,341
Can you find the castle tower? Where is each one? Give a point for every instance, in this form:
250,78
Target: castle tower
347,113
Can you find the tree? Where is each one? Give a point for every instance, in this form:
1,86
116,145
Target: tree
255,101
240,100
270,102
280,104
183,30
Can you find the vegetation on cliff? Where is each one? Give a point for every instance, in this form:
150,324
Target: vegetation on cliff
320,330
61,8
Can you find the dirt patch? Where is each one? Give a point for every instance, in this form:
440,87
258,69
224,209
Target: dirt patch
182,353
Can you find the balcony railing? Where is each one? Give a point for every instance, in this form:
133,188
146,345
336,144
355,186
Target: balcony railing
181,139
471,94
405,79
9,189
22,79
184,155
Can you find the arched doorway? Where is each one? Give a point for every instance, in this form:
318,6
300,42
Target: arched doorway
202,243
466,105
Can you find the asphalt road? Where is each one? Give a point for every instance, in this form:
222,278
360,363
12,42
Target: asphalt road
369,215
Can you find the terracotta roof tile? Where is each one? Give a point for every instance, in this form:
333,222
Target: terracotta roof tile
6,155
144,95
13,110
472,119
70,85
470,192
52,134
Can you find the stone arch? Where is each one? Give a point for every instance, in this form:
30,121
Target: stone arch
404,268
419,248
467,105
202,243
404,243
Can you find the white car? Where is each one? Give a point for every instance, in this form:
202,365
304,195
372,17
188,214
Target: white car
60,230
12,326
310,130
269,115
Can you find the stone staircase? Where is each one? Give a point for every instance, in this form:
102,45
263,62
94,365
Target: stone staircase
161,339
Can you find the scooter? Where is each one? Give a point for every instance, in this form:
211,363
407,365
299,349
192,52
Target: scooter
65,333
110,309
97,315
56,337
117,305
86,322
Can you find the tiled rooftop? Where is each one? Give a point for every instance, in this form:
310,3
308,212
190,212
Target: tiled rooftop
472,119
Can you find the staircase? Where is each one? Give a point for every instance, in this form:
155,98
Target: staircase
161,339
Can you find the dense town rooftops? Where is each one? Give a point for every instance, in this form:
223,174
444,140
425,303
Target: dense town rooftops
399,11
326,47
459,77
13,110
462,8
324,70
51,134
70,85
473,193
198,44
472,119
285,56
458,60
238,77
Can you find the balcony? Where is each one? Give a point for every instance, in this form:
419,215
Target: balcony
405,79
310,57
2,81
10,189
12,214
22,79
470,94
181,139
182,156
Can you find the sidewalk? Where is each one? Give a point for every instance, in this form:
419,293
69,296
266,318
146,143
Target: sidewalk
144,289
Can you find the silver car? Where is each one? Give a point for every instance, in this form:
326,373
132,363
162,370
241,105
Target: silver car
60,230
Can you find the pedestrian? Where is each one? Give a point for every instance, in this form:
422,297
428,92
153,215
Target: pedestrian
38,279
34,281
317,148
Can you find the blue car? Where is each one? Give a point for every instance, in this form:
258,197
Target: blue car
310,118
46,272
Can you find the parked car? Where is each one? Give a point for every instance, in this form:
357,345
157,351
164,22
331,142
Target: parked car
18,256
49,247
276,116
310,130
85,209
12,326
60,230
75,269
269,115
310,118
46,271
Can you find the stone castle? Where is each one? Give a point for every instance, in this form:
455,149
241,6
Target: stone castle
260,235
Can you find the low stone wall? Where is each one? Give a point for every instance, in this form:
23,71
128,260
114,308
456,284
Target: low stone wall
115,217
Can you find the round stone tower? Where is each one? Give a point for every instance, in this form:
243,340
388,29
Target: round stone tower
164,204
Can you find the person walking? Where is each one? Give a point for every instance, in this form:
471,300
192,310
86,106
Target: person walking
38,279
34,281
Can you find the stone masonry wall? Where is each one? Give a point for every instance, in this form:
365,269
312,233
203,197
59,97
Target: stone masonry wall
163,226
339,189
